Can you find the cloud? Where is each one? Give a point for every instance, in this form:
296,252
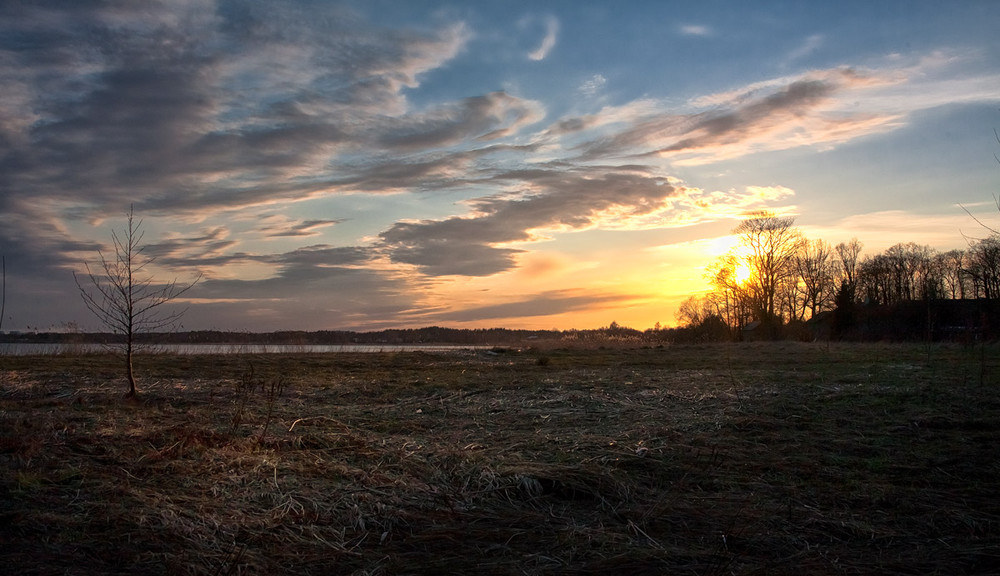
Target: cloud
696,206
695,30
308,288
808,47
806,110
548,42
486,117
549,303
818,108
177,250
193,108
298,229
880,230
594,85
309,298
551,201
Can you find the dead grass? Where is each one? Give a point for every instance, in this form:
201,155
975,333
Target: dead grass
755,459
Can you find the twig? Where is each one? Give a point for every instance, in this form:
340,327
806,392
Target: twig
334,420
652,540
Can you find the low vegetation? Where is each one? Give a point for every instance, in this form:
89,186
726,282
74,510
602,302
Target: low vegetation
778,458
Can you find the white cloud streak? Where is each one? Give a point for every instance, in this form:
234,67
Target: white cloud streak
695,30
548,41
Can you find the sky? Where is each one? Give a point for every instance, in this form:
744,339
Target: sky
523,164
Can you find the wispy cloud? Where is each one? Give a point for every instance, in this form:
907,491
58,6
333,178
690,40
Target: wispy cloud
695,30
300,229
821,108
548,41
808,47
593,85
888,227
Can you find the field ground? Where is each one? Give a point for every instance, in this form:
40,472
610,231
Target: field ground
719,459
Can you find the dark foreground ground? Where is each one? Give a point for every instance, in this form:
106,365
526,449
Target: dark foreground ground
747,459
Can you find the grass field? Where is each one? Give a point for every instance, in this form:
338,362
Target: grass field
779,458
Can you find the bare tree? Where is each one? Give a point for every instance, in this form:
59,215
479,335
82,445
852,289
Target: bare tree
771,242
123,296
983,266
951,266
729,296
815,265
694,311
848,254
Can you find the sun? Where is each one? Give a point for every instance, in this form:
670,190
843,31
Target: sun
742,273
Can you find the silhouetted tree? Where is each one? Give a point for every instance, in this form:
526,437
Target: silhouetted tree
954,278
771,243
844,309
903,272
693,311
815,266
729,296
848,253
983,267
124,297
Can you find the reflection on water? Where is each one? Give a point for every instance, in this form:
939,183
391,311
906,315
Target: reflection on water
23,349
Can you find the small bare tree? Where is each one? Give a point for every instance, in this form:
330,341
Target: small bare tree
124,297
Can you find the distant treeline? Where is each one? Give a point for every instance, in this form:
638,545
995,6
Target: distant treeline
909,320
967,320
428,335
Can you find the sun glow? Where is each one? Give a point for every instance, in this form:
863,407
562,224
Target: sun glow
742,273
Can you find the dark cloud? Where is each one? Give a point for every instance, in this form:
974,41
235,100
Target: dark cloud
307,299
727,127
312,288
301,229
188,108
192,253
323,256
544,304
432,171
553,200
738,120
481,117
454,256
209,243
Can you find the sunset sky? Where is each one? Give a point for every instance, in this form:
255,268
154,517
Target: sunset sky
379,164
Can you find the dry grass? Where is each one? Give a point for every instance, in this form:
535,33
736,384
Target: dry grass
756,459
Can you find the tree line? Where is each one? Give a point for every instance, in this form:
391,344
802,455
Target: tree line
775,280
